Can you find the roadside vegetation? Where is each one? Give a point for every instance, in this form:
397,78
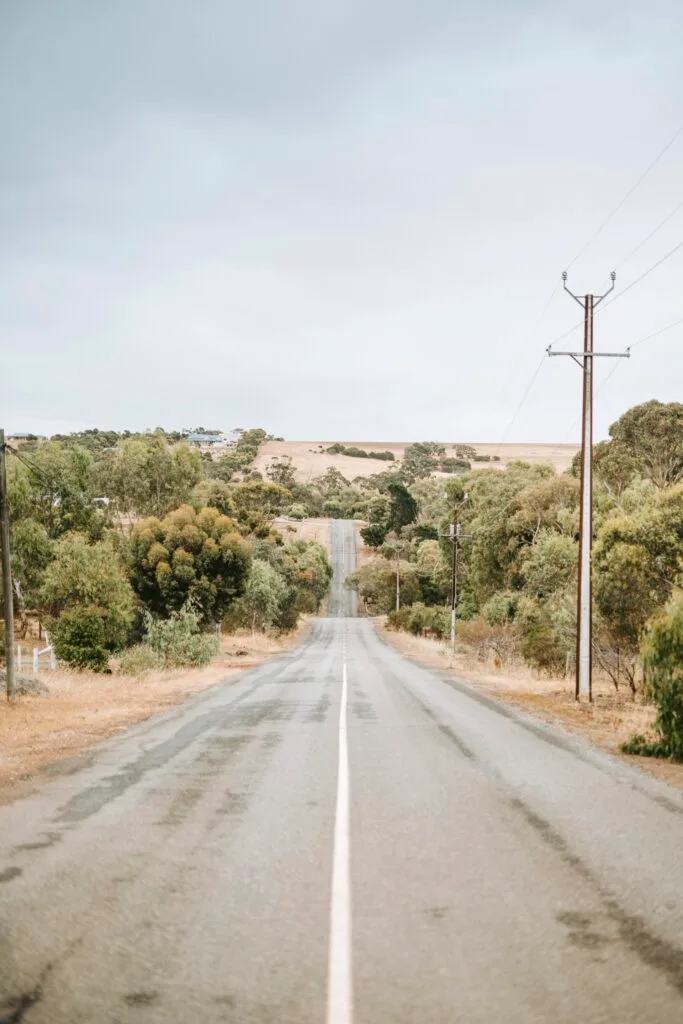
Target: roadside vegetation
122,540
133,551
518,558
359,453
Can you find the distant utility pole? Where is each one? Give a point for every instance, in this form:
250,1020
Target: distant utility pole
398,580
584,615
455,535
7,597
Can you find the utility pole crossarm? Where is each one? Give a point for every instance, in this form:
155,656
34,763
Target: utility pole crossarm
591,355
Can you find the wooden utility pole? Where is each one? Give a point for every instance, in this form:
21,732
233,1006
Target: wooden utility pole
455,535
584,597
455,538
398,581
7,594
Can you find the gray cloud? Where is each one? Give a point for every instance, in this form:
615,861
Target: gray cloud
328,218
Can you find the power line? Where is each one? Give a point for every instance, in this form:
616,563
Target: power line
590,241
628,195
655,334
649,236
30,465
611,301
521,403
645,274
641,341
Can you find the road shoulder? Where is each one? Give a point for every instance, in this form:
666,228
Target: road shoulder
606,723
44,737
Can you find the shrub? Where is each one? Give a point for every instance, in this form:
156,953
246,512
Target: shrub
663,657
501,640
421,620
297,511
139,659
177,641
500,608
542,647
79,638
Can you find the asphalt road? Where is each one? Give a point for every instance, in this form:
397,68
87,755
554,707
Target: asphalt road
343,836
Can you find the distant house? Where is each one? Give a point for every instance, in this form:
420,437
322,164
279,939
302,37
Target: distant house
205,439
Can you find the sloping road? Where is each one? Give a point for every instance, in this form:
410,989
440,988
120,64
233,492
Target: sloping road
342,836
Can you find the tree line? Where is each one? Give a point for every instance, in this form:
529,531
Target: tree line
144,546
518,558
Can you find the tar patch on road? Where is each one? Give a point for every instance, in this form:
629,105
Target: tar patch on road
140,998
631,929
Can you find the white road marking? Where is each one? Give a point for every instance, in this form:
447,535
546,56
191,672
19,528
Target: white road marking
340,981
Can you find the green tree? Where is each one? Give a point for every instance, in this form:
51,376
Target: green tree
88,576
663,657
375,582
421,460
189,556
264,595
215,494
551,564
32,552
281,471
146,476
652,436
266,499
403,506
56,489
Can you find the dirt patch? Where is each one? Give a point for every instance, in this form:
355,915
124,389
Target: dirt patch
83,708
607,722
305,529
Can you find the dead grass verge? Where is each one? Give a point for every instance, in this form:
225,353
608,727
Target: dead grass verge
84,708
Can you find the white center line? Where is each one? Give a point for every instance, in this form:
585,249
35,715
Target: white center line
340,983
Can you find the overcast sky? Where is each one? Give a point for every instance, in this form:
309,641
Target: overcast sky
333,218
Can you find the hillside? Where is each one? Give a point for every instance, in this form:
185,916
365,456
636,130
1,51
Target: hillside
310,458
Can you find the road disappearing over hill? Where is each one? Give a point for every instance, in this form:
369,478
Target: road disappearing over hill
342,836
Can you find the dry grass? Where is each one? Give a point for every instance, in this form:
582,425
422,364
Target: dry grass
610,720
84,708
311,460
305,529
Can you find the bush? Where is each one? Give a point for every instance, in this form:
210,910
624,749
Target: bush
139,659
500,608
547,632
374,535
421,620
484,638
297,511
359,453
663,658
79,638
177,641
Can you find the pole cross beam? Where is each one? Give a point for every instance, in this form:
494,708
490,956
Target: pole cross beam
584,601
